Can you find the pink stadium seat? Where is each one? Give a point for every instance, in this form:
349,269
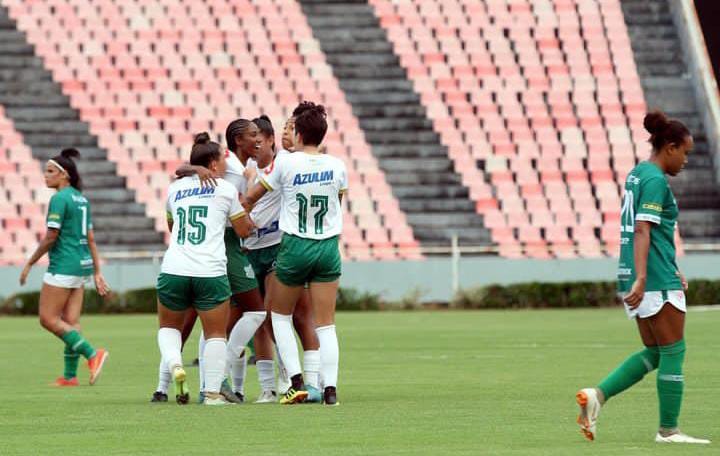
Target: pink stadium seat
155,78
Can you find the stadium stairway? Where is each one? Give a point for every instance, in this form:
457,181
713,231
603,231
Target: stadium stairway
667,86
43,115
401,136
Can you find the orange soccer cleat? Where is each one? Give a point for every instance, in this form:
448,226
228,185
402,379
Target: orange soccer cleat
95,364
62,381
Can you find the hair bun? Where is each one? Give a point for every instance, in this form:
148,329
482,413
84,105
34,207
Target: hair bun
655,122
320,109
264,117
201,138
70,153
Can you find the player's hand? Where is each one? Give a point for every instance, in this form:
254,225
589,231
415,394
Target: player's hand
101,285
250,174
683,280
637,292
206,177
24,274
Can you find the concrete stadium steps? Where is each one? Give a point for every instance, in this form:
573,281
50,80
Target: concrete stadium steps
395,123
663,73
43,115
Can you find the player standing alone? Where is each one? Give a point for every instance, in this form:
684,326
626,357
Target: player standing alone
650,283
70,242
311,184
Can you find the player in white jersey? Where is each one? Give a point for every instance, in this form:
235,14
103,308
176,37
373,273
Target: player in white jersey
247,311
311,185
194,269
263,245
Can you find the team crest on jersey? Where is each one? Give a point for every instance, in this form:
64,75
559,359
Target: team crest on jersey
310,178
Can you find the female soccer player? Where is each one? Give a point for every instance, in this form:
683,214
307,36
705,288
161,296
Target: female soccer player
263,245
650,283
194,269
311,185
247,311
70,242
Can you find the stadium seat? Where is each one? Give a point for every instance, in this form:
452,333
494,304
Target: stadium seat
541,80
144,84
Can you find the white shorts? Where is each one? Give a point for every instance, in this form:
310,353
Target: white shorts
65,281
653,301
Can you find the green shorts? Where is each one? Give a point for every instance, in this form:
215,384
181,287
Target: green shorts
303,260
263,263
181,292
240,272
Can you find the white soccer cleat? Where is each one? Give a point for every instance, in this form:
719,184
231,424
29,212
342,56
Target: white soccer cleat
587,399
215,399
679,437
267,397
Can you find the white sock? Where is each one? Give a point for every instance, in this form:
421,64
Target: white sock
329,354
170,343
163,377
240,335
311,364
214,364
239,370
286,344
266,374
201,364
281,366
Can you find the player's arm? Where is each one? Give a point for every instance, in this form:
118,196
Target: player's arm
204,174
100,284
45,245
242,224
641,245
254,194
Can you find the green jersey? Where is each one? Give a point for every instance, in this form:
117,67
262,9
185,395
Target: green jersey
69,212
648,198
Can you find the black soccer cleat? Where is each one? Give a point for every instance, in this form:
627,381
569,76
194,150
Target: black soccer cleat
330,396
239,396
182,399
159,396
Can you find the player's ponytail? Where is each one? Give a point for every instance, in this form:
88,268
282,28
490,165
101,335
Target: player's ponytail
664,131
266,128
66,164
204,151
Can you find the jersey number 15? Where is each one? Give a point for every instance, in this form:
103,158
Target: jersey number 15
191,217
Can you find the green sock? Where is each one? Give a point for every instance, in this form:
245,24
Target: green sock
78,344
670,383
631,371
71,363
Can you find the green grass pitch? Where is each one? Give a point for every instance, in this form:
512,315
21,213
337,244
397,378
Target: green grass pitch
410,383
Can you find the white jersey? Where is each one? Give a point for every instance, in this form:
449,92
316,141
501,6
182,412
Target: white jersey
310,185
235,173
197,246
266,216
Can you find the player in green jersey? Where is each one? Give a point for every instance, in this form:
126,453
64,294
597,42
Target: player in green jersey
74,258
650,283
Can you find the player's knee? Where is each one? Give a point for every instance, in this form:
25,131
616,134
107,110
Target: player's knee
49,322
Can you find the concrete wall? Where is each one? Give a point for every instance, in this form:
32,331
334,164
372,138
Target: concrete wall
430,279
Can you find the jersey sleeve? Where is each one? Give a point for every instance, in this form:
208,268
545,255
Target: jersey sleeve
236,210
89,218
271,179
56,212
652,196
343,177
168,210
